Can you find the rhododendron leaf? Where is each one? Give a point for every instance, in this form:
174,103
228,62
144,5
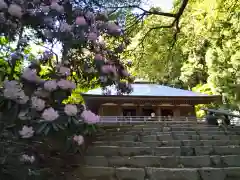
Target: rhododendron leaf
41,128
55,127
75,121
60,126
47,129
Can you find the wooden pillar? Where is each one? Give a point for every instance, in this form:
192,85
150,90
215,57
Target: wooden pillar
176,113
138,113
159,113
119,107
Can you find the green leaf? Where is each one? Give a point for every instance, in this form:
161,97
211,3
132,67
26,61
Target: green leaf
60,126
47,130
42,127
55,127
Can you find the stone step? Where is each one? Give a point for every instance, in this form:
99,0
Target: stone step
168,137
164,129
163,133
162,151
151,173
164,161
191,143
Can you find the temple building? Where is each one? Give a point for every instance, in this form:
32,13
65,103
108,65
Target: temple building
147,98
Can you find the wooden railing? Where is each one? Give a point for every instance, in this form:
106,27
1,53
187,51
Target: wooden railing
157,119
148,119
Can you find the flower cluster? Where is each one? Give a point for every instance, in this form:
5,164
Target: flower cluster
89,117
13,90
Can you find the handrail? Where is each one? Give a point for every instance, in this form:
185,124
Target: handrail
156,119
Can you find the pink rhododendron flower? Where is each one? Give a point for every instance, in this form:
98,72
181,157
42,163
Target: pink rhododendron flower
50,85
37,103
3,5
57,7
31,75
80,21
15,10
108,69
65,84
26,132
98,57
89,117
92,36
70,110
78,139
45,9
65,27
113,28
64,71
50,114
13,90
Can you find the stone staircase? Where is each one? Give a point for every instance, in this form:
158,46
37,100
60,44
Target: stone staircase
169,151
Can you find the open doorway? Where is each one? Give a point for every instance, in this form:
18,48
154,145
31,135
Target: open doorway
147,111
166,112
129,112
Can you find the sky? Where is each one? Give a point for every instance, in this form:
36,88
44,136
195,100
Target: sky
166,5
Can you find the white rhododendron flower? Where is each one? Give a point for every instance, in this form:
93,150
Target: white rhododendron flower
64,71
27,159
70,110
31,75
50,114
41,93
26,132
80,20
50,85
89,117
57,7
45,9
38,103
65,27
15,10
65,84
3,5
113,28
78,139
13,90
92,36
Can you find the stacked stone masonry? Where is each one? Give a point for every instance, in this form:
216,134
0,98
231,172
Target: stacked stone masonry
163,152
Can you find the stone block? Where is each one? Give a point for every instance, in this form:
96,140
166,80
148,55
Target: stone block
165,137
212,173
96,161
203,150
195,161
134,151
149,138
167,151
227,150
187,151
97,172
168,161
191,143
181,137
232,173
124,173
216,161
172,174
231,160
170,143
102,150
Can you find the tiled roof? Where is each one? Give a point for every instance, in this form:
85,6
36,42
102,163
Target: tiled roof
150,90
